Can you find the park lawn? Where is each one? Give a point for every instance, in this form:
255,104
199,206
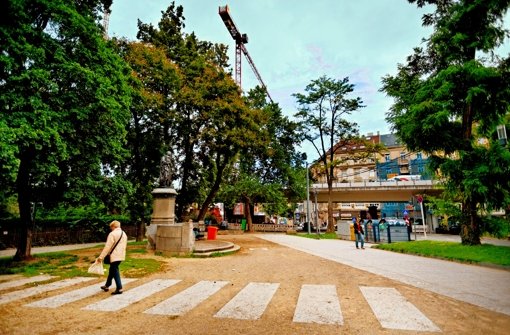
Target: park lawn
480,254
73,263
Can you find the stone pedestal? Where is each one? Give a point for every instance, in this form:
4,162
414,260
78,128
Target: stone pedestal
163,208
163,213
174,239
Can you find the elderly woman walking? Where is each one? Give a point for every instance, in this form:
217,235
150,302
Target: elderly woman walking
115,248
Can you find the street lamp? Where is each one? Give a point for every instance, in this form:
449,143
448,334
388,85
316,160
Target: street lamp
307,200
316,212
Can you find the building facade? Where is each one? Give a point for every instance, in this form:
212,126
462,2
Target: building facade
354,164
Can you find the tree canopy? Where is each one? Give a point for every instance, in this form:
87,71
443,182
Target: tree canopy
323,111
64,100
449,98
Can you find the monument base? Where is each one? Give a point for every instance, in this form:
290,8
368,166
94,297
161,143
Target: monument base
163,213
163,208
174,239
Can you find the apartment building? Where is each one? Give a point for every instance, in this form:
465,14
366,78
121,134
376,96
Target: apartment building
354,164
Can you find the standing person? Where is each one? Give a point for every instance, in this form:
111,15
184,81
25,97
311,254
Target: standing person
116,244
408,225
358,231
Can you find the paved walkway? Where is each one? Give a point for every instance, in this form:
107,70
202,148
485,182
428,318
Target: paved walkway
482,286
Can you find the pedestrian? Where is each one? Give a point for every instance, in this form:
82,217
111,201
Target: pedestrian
116,244
408,225
358,231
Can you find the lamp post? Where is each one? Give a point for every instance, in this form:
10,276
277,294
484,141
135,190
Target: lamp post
316,212
308,201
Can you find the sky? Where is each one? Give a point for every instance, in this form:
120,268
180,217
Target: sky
293,42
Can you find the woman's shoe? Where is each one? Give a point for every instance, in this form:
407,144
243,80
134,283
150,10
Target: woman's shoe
116,292
105,288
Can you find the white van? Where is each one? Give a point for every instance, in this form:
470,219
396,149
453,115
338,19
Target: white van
405,177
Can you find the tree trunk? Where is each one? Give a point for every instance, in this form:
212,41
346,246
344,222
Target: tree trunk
138,213
470,231
24,231
214,189
140,229
183,197
247,214
331,223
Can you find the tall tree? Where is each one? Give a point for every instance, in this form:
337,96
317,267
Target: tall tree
63,98
196,60
228,127
267,168
155,82
211,121
450,96
323,111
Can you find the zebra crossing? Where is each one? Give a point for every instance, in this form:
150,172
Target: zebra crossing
319,304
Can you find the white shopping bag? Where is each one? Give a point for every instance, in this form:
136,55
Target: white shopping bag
96,268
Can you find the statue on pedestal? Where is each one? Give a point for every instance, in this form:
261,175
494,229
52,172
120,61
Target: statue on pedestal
166,170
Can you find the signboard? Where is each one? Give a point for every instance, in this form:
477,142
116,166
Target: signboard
239,209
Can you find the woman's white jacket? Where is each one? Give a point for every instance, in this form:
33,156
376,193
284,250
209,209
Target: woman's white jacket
119,254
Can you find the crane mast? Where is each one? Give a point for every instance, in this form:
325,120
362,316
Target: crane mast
241,40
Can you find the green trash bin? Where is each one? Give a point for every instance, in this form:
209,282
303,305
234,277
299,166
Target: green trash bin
243,224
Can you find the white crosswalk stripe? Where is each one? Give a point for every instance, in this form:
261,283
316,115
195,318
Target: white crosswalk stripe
16,295
250,303
23,281
72,296
187,299
120,301
394,312
318,304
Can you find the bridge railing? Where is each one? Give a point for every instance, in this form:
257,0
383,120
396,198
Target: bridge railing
380,184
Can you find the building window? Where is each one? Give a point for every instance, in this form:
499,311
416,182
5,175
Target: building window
418,156
387,157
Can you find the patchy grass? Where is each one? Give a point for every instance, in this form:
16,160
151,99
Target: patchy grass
482,254
75,263
321,236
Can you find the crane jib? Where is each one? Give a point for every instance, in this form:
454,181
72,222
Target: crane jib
241,40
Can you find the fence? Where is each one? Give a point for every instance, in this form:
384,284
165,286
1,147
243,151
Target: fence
374,233
262,227
59,236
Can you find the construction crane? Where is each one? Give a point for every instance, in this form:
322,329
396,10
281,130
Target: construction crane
241,40
106,22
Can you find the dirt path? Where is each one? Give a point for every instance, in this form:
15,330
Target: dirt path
258,261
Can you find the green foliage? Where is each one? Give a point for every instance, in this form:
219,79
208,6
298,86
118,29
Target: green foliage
322,113
485,253
64,102
449,98
498,227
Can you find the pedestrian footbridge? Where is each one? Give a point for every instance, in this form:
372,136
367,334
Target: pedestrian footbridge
376,191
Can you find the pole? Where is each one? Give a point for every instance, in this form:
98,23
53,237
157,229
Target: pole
308,201
316,212
423,219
